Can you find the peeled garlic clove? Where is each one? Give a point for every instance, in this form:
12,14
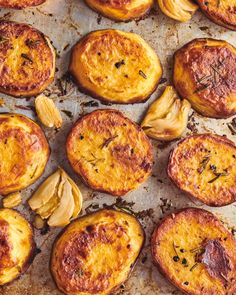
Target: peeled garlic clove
45,192
62,215
47,112
76,194
167,117
47,209
181,10
12,200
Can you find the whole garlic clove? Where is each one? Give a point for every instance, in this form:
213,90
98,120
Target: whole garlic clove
47,112
12,200
180,10
167,117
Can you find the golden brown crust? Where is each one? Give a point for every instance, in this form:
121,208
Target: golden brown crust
121,10
205,73
110,152
180,246
24,152
20,4
33,68
109,239
115,66
17,245
221,12
204,167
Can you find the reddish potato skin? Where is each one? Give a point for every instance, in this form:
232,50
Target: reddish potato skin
204,73
203,218
218,195
222,17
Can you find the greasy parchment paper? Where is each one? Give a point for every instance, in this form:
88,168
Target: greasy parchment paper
65,21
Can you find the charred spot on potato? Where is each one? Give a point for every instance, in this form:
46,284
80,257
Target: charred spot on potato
215,259
106,78
192,167
33,68
105,157
204,73
102,239
208,260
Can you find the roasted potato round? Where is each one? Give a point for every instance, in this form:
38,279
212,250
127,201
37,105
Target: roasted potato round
24,152
122,10
19,4
96,253
220,12
17,245
205,73
196,253
27,60
115,66
204,167
110,152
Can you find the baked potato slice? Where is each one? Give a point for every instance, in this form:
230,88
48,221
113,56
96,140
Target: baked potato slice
220,12
96,253
17,245
19,4
205,73
122,10
27,60
24,152
115,66
196,253
110,152
204,167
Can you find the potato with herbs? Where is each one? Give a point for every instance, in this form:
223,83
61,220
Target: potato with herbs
111,153
27,60
96,253
196,253
205,74
222,12
115,66
203,166
17,245
24,152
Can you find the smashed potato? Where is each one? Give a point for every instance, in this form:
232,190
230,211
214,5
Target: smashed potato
193,250
19,4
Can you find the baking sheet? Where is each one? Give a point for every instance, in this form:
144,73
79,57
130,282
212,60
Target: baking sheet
65,21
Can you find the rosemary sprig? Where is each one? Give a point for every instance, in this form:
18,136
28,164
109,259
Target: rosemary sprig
194,266
25,56
217,175
108,141
203,164
141,73
3,39
32,43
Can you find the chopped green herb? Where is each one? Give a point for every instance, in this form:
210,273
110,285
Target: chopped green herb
108,141
218,174
3,39
203,164
25,56
119,64
195,265
32,43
